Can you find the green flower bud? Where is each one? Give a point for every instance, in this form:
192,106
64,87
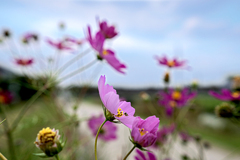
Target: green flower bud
224,110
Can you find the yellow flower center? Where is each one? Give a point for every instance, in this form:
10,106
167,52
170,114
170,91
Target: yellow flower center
176,95
105,52
142,132
46,135
171,63
172,104
2,99
120,113
235,94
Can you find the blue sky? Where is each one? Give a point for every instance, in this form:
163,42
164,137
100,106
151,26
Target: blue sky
204,32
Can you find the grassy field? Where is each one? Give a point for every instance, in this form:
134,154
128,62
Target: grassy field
44,113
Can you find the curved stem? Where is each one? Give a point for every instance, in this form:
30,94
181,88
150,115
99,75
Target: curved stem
56,156
99,129
78,70
66,65
2,157
129,152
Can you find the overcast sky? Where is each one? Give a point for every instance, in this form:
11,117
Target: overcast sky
204,32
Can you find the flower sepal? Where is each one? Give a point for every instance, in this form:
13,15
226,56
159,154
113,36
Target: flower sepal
138,145
108,115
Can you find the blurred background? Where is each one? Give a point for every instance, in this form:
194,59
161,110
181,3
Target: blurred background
205,33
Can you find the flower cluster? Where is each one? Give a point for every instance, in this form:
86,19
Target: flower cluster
97,43
144,132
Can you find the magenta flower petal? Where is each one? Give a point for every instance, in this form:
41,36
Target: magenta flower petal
123,111
226,95
141,156
109,56
104,89
24,62
107,31
151,156
170,63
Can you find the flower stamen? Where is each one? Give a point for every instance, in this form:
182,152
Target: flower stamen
176,95
142,132
235,94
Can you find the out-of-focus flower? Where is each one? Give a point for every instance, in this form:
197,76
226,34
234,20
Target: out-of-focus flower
74,40
236,82
24,62
226,95
97,43
115,109
170,63
141,156
224,110
175,98
145,96
108,131
185,137
29,36
5,97
144,132
48,140
61,45
107,31
62,25
162,135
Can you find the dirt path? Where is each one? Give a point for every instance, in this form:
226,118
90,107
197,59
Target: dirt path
115,149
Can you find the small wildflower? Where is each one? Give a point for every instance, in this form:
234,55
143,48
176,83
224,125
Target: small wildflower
48,140
144,132
226,95
115,109
175,98
163,134
141,156
108,131
107,31
24,62
170,63
97,43
224,110
28,37
185,137
145,96
5,97
76,41
60,45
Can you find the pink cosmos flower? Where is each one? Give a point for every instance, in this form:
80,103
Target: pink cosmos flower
162,135
5,97
170,63
121,110
175,98
226,95
61,45
24,62
141,156
185,136
108,131
144,132
76,41
107,31
97,43
29,36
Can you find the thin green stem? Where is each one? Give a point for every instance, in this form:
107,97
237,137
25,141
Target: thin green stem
99,129
2,157
129,153
8,133
27,106
56,156
77,71
66,65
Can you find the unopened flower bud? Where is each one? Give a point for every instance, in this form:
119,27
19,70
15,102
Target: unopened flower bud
6,33
224,110
48,140
166,78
